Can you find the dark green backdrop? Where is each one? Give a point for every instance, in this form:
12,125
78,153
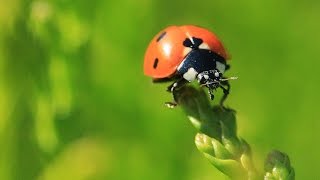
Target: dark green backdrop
74,103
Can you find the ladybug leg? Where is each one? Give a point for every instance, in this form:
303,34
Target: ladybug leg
177,84
172,88
227,67
225,91
171,104
211,94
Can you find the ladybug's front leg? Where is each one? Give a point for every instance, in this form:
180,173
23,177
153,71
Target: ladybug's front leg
174,87
225,91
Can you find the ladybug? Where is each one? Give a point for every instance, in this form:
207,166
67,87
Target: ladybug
186,53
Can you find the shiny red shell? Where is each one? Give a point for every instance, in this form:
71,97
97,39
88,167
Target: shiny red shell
166,51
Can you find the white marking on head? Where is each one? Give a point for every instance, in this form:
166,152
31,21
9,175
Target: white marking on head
220,66
190,75
204,46
186,51
199,76
206,76
216,74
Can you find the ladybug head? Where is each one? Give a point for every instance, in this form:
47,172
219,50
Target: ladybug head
211,78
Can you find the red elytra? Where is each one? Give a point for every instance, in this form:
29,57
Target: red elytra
166,51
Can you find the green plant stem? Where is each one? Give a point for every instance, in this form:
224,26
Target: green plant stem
217,140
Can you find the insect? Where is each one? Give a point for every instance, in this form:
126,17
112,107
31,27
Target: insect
186,53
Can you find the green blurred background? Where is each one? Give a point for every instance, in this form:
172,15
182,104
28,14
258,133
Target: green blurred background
74,103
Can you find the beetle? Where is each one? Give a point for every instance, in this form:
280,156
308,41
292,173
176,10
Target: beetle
186,53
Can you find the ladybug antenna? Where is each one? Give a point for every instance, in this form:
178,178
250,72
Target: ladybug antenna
208,83
230,78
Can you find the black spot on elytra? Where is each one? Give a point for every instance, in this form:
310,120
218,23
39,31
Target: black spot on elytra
161,36
196,42
155,63
187,43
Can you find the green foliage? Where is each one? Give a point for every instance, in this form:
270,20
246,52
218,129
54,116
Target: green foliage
224,149
277,166
74,101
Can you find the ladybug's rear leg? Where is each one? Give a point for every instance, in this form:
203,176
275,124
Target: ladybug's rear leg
177,84
225,91
174,87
